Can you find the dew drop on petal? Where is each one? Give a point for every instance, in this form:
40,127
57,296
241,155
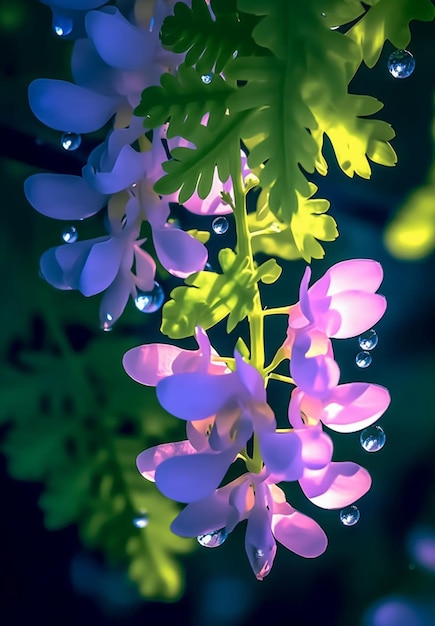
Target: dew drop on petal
372,438
401,64
70,235
62,25
213,539
71,141
220,225
141,520
207,78
107,324
368,340
363,359
150,301
350,515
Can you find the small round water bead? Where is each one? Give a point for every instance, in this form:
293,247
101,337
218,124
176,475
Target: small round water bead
70,235
207,78
401,64
372,438
350,515
62,25
107,323
71,141
150,301
363,359
220,225
213,539
368,340
141,520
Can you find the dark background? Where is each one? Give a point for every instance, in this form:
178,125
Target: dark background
51,578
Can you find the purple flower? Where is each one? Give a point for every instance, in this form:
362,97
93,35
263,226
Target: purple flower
342,304
102,264
256,498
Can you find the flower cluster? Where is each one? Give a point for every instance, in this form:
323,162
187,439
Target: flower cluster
192,139
227,409
116,55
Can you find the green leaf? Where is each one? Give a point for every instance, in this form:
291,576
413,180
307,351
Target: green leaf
388,20
184,99
193,169
297,239
209,297
209,43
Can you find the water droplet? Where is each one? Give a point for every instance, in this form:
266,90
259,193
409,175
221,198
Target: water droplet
70,235
259,553
150,301
71,141
401,64
62,25
213,539
323,14
220,225
207,78
350,515
107,322
363,359
141,520
372,438
368,340
235,54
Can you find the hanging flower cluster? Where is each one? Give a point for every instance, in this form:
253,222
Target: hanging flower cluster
227,410
115,57
223,106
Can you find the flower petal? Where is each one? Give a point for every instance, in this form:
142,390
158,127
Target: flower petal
352,313
195,396
63,196
63,106
281,453
148,460
119,43
204,516
337,485
194,476
178,252
354,406
149,364
259,542
101,266
343,276
298,532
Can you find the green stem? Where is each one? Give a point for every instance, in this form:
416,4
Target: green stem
244,249
283,379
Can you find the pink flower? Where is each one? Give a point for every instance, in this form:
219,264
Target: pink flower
342,304
151,363
346,409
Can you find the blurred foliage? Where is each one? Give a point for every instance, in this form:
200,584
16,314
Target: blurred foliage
411,233
76,422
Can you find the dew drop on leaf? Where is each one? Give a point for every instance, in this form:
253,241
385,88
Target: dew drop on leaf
207,78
